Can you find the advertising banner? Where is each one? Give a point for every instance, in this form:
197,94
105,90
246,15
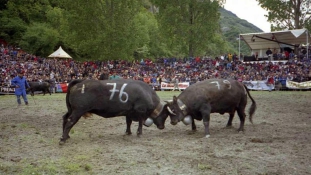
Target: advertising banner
7,90
170,86
296,85
62,87
258,85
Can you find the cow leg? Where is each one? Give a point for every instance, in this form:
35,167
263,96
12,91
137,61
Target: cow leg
65,120
128,125
140,127
231,116
193,126
205,111
242,116
71,121
140,111
48,90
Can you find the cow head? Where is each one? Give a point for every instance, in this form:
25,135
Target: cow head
158,116
177,110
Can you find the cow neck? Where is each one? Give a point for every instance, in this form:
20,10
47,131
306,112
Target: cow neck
157,111
182,106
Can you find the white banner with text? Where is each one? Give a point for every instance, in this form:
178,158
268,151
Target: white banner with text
170,86
296,85
258,85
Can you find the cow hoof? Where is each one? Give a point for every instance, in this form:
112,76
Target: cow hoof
207,136
240,130
128,133
62,142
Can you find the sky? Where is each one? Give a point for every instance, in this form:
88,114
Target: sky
250,11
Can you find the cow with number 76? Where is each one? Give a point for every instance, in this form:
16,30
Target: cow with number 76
110,98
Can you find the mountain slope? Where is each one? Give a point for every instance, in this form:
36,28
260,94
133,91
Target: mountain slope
232,26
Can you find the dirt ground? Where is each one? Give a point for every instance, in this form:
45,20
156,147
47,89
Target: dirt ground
279,141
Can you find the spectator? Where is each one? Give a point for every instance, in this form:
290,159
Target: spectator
105,74
191,69
114,75
268,53
175,80
270,81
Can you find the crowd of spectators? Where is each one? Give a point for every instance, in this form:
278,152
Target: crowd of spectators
59,70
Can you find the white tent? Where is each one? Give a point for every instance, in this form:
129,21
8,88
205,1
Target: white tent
59,53
275,40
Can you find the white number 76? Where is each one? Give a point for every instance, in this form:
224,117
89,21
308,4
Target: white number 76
113,90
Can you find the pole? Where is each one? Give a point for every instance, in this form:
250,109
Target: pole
307,33
34,100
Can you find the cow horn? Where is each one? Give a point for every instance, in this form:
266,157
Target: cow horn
169,110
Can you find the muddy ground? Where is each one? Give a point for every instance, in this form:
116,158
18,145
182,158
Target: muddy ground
279,141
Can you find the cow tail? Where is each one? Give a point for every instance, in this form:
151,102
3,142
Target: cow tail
72,83
253,107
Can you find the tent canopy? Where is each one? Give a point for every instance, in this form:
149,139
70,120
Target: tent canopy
59,53
261,41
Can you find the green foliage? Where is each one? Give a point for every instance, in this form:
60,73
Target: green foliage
39,39
12,28
103,30
188,25
287,14
118,29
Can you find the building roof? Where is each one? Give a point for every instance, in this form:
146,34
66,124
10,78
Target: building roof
276,39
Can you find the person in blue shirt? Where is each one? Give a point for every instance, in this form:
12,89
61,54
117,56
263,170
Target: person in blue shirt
20,83
114,76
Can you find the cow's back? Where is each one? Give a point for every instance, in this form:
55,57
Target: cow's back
222,94
111,96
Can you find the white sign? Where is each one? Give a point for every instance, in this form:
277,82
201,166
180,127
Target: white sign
258,85
170,86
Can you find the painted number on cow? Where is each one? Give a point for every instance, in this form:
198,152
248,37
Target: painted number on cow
228,83
224,81
121,92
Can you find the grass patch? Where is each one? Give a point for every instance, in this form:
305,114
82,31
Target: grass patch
47,167
204,166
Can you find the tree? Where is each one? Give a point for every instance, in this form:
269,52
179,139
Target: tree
287,14
39,39
188,25
103,29
29,24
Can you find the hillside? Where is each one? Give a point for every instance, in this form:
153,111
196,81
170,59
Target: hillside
232,26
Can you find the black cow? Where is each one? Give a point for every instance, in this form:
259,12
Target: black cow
110,98
212,96
39,86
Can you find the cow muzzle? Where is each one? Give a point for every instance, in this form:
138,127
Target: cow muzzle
161,127
174,122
